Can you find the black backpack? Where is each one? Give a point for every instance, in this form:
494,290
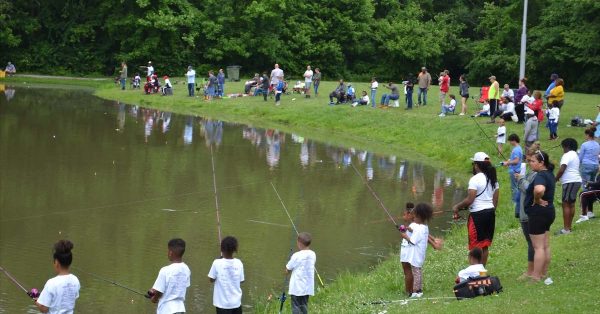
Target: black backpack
478,286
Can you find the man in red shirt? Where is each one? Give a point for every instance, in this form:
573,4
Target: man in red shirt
444,86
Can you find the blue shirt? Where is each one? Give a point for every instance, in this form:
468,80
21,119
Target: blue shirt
517,152
597,134
588,154
550,87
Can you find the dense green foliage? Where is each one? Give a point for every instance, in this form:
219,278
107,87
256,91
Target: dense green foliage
352,39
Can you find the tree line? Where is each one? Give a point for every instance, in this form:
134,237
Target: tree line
353,39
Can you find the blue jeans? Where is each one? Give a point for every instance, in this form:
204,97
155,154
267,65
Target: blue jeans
446,109
210,91
514,189
316,86
221,92
422,91
191,89
123,83
385,99
373,99
588,173
409,100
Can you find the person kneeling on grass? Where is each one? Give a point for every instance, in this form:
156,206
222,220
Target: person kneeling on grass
363,101
339,93
450,107
475,268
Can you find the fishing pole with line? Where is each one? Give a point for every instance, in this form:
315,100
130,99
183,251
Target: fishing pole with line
146,295
488,137
33,293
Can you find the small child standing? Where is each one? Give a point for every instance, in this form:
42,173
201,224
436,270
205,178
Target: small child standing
278,91
405,249
553,113
227,274
501,135
59,293
172,282
419,239
475,269
302,280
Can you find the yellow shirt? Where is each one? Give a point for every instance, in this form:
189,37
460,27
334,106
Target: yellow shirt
556,94
493,92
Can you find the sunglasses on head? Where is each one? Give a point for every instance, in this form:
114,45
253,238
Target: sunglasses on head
539,152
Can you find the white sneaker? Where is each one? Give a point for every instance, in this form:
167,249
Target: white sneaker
416,295
563,231
582,218
461,114
442,115
548,281
590,215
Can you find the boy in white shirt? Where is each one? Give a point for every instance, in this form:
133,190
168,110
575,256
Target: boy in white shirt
374,86
172,282
475,269
450,107
501,135
553,113
308,74
227,274
363,101
302,280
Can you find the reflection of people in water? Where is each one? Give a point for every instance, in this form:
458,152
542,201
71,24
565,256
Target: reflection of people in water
304,153
166,118
149,123
273,147
252,135
188,131
134,111
418,180
346,158
369,166
121,117
437,197
9,93
403,172
213,131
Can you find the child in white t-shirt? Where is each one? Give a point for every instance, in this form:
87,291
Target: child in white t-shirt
553,113
475,269
172,282
302,279
501,135
405,248
450,107
227,274
419,238
362,101
59,293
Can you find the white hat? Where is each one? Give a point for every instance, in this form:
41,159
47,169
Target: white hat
480,156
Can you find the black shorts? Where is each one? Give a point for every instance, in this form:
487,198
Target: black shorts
570,191
465,96
229,311
481,226
540,220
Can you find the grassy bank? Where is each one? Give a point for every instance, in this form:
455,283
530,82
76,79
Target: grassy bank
416,134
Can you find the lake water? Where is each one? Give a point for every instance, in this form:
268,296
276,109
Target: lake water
120,181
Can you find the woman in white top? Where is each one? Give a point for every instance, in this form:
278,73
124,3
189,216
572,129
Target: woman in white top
570,178
60,292
482,199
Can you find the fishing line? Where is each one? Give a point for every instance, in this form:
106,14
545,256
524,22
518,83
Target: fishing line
294,226
112,282
286,278
405,301
487,137
33,293
212,161
375,195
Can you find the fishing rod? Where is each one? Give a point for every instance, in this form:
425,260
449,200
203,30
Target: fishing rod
376,197
405,301
212,161
112,282
33,293
487,137
294,226
286,278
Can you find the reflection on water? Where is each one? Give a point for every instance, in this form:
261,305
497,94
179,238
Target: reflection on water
121,180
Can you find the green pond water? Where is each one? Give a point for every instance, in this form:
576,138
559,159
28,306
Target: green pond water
120,181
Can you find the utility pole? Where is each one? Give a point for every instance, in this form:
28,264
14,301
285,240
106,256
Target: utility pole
523,42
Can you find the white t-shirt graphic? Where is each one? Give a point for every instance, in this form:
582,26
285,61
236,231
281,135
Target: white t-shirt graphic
172,281
59,294
228,274
302,280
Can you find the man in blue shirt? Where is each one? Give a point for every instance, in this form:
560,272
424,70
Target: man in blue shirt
514,167
553,78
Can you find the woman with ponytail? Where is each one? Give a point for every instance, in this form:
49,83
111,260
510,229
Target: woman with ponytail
482,199
60,292
539,207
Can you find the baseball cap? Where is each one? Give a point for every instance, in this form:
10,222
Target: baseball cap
480,156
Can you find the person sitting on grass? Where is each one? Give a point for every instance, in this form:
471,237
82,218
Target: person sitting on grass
394,95
10,69
448,107
485,110
350,94
339,93
475,268
363,101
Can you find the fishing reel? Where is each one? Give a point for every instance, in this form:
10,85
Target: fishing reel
33,293
149,294
402,228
